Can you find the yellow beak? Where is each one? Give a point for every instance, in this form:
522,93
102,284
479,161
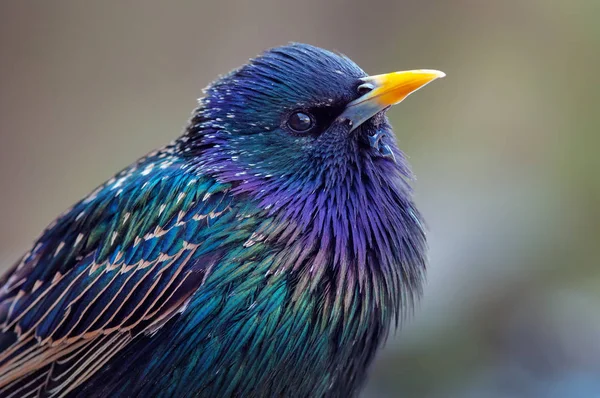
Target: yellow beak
386,90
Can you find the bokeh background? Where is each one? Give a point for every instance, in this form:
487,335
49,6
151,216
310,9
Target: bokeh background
505,149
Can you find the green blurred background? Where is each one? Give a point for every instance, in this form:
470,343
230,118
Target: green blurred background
505,150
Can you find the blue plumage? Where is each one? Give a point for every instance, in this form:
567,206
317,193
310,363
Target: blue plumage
253,256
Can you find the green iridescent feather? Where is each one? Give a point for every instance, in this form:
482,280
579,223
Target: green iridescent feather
227,263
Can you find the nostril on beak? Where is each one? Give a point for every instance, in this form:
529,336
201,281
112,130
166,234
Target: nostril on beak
365,88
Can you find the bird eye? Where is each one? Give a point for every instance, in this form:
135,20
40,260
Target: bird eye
300,122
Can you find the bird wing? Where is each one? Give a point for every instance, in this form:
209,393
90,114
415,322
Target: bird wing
119,263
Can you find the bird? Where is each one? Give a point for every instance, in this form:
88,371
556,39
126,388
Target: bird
268,251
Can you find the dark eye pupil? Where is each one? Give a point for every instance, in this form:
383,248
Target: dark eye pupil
300,122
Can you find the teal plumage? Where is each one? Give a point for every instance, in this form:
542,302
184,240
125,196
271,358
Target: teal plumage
240,260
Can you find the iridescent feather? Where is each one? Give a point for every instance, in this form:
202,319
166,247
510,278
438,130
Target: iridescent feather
229,263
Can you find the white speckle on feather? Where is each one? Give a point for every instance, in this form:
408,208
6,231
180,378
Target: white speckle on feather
78,239
161,209
90,198
180,197
119,183
148,169
113,237
166,164
59,248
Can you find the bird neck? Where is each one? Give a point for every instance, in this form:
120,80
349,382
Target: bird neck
348,226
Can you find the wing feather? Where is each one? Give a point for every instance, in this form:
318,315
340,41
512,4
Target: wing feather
119,263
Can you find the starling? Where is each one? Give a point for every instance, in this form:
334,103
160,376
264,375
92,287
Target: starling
266,252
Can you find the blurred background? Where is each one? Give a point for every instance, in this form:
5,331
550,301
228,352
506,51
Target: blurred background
505,150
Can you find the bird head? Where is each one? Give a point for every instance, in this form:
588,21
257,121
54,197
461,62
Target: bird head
301,113
303,133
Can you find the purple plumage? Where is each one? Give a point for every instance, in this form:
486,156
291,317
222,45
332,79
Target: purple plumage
266,252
